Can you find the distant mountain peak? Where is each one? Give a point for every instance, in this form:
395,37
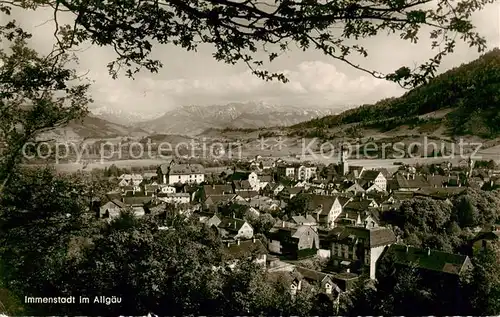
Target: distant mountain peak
123,117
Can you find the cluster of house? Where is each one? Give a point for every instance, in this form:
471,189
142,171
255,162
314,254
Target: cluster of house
340,220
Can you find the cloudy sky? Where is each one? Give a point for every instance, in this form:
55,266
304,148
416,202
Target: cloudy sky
195,78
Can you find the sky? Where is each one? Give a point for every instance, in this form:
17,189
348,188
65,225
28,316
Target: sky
195,78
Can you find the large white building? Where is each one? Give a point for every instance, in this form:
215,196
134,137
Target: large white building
181,173
186,173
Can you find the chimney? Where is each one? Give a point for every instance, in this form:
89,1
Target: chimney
428,251
253,240
228,244
238,241
348,270
283,224
235,225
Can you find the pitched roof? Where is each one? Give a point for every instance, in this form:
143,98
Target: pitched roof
118,203
371,237
428,259
231,224
436,180
358,205
219,199
300,231
344,200
418,182
312,275
301,219
245,249
370,175
440,193
402,195
294,190
242,184
248,194
210,190
322,202
133,201
113,195
384,172
186,169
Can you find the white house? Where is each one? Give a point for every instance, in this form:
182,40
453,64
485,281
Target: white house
235,229
353,245
253,179
286,171
326,209
186,173
167,189
374,177
306,172
175,198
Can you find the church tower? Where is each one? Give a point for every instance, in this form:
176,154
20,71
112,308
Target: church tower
470,167
344,167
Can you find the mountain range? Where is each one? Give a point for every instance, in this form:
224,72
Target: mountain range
122,117
194,119
462,101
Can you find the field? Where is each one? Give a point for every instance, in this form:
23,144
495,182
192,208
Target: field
367,163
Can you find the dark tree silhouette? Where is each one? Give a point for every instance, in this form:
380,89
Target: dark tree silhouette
240,29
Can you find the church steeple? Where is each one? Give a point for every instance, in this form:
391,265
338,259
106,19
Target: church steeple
470,165
344,167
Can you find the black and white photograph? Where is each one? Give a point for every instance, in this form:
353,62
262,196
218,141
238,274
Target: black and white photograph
249,158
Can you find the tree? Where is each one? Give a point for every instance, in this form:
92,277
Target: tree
483,283
238,30
50,247
298,205
41,215
262,224
37,93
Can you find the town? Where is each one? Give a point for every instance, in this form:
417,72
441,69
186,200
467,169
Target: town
322,225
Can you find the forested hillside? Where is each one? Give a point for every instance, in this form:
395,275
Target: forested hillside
471,92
